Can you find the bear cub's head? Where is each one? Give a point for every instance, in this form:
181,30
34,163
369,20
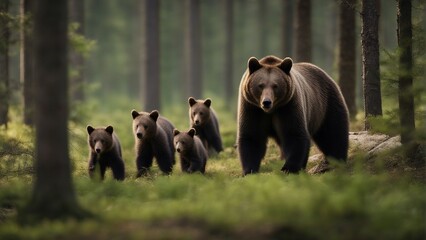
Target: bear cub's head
144,124
184,141
199,111
268,83
100,139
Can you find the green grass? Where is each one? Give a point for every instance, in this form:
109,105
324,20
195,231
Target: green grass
348,203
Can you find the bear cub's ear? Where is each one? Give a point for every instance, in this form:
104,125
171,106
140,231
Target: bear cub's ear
192,101
208,102
286,65
154,115
90,129
191,132
175,132
109,129
253,65
135,114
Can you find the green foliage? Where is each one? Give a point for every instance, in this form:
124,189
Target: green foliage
16,150
78,42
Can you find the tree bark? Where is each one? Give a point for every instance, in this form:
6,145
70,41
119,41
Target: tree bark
347,57
193,49
406,96
287,28
53,194
4,63
151,86
28,78
303,31
370,59
229,48
76,8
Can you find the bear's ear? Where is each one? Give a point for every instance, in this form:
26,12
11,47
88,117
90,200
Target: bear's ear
90,129
175,132
253,65
208,102
192,132
109,129
154,115
135,114
286,65
192,101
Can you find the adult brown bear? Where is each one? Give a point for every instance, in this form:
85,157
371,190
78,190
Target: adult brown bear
292,103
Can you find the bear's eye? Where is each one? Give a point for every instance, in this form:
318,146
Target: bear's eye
201,113
275,86
261,86
145,126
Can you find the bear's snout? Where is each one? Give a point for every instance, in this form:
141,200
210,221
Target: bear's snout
98,150
197,122
267,104
139,135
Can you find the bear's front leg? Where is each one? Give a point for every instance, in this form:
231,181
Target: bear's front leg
144,161
296,151
117,167
103,169
195,166
251,150
92,164
184,164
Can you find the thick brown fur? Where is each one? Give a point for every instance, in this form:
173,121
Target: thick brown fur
292,103
203,118
193,155
153,138
105,150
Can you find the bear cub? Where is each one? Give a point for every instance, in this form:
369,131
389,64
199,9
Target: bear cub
193,155
153,138
105,149
204,120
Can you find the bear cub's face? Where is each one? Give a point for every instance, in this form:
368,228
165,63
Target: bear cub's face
144,124
184,141
268,84
199,110
100,139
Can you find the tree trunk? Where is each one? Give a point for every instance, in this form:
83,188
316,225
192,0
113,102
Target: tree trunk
406,97
193,49
303,31
76,58
287,28
53,194
151,86
28,78
347,57
370,60
229,48
4,63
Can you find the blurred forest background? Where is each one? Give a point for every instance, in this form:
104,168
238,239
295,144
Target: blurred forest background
125,54
228,33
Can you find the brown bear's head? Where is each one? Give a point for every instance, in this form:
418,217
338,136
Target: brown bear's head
100,139
184,141
144,124
268,82
199,111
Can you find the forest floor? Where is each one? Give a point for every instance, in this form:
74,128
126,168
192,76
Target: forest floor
377,194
